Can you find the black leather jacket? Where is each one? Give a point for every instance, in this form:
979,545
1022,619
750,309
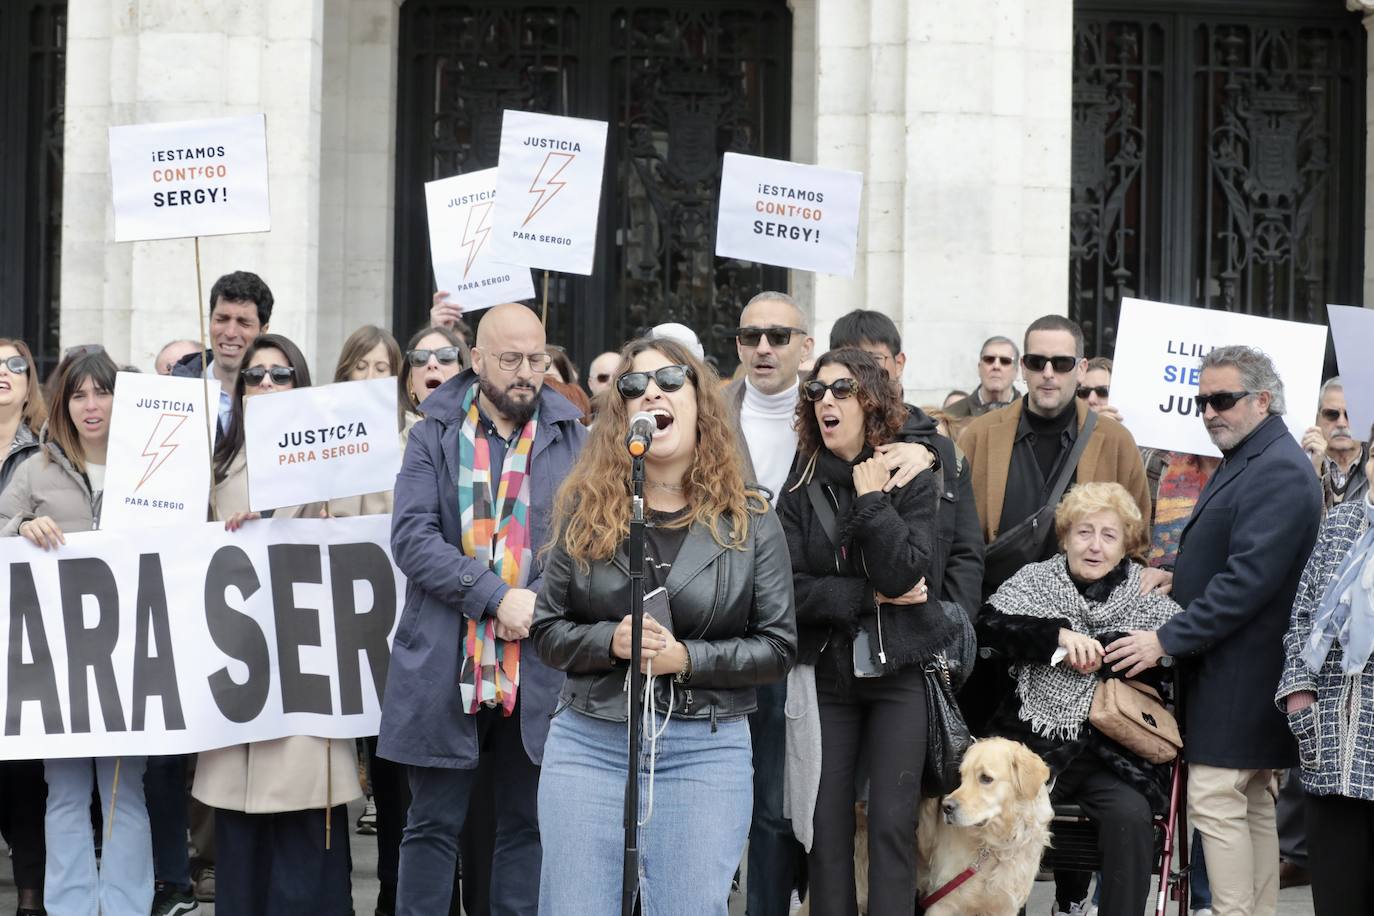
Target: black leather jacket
732,610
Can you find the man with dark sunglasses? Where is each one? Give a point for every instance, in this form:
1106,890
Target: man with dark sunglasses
1336,455
996,383
1240,558
601,373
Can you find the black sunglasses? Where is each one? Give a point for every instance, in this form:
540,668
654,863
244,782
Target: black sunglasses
777,336
1062,364
632,385
17,365
280,375
1220,400
446,356
988,359
1084,391
841,388
1329,414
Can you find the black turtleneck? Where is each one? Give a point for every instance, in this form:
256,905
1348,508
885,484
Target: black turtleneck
1047,435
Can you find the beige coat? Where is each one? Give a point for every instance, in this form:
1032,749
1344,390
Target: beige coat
286,774
47,484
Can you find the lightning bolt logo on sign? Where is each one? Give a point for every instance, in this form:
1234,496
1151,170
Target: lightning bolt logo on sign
160,445
548,186
462,216
475,238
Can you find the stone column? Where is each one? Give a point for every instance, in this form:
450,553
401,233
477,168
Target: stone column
959,116
1366,7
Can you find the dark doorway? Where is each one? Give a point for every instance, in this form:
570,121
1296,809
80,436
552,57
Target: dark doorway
681,83
1218,158
33,38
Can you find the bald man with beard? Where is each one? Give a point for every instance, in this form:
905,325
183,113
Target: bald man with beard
472,569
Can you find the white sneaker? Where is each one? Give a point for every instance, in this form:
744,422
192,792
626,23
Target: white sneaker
1205,911
1085,908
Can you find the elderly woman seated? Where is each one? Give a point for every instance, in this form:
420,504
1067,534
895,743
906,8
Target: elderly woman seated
1077,602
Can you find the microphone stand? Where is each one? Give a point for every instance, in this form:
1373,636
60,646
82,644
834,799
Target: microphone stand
629,887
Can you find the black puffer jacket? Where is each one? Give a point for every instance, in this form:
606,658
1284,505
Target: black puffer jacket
887,544
732,610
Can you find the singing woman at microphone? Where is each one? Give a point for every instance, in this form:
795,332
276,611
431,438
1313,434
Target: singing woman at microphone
716,547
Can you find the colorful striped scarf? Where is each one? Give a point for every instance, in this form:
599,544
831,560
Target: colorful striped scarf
496,533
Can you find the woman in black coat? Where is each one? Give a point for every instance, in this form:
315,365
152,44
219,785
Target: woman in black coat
860,557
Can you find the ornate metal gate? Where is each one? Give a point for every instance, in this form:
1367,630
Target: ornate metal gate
680,82
33,38
1218,158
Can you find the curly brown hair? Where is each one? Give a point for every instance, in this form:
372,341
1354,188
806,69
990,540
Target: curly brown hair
879,397
592,509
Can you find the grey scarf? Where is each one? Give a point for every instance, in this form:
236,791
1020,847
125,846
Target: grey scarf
1055,700
1346,612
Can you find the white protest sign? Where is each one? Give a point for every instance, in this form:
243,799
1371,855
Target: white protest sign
158,459
461,216
315,444
196,637
183,178
549,191
1352,328
1155,373
790,215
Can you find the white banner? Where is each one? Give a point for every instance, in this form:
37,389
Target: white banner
549,186
158,461
461,213
314,444
790,215
1352,328
1155,373
191,638
183,178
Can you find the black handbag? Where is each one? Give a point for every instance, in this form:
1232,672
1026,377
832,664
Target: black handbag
1027,541
947,735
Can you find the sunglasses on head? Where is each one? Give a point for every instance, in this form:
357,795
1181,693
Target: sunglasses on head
633,385
1084,391
1329,414
280,375
17,365
1062,364
989,358
841,388
1220,400
777,336
446,356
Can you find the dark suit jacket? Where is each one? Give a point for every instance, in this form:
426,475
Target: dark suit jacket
1239,561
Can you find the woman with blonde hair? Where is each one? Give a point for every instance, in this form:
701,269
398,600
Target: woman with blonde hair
1051,620
725,627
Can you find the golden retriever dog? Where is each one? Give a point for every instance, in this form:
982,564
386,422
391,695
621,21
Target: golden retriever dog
998,819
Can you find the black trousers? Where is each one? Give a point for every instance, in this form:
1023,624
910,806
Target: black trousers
23,803
886,719
1125,835
276,864
1340,846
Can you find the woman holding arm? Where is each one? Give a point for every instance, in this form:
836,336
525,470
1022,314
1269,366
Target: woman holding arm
51,495
716,548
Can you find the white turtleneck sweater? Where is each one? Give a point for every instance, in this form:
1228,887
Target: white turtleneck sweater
767,423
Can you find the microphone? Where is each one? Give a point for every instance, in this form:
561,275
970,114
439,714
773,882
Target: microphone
641,434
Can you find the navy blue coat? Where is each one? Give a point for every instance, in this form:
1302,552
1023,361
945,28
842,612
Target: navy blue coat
1239,561
423,720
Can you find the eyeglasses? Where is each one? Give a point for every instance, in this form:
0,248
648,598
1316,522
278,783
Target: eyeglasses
633,385
1062,364
988,359
511,360
1329,414
1220,400
280,375
841,388
446,356
1085,391
777,336
17,365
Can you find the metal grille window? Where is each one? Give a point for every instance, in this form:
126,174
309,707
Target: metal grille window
681,84
1218,159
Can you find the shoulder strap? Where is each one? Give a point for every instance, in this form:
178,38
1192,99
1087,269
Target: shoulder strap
1075,455
825,513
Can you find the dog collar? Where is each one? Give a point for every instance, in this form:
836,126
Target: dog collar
956,882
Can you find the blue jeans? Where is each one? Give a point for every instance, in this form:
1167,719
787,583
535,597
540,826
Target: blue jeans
123,883
1201,889
702,794
774,852
164,783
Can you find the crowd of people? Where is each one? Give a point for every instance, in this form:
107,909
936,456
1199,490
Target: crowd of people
814,544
